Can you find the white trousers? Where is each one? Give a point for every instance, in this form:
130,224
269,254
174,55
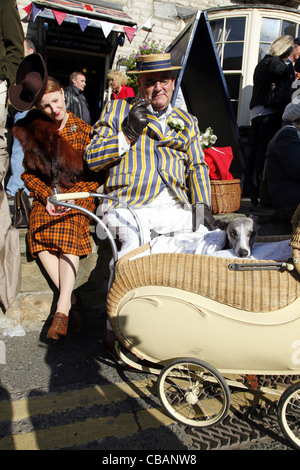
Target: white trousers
165,215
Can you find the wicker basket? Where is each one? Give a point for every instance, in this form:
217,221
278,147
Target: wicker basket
225,196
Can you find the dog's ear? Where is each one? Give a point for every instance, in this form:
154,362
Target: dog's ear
255,218
221,224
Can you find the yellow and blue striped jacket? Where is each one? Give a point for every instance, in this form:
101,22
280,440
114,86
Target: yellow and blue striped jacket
155,161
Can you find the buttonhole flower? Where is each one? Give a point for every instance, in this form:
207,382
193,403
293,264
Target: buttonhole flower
176,124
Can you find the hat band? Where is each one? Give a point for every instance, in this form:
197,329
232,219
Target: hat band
142,66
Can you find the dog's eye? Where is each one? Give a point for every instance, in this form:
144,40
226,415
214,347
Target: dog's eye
233,233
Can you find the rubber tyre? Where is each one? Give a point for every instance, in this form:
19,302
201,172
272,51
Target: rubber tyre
193,392
289,414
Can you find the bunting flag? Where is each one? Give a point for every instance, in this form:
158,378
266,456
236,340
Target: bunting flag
88,7
59,16
83,23
130,32
32,10
106,27
28,9
148,25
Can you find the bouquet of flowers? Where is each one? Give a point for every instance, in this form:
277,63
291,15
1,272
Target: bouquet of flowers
208,138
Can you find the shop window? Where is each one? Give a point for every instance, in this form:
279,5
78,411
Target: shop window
271,29
229,34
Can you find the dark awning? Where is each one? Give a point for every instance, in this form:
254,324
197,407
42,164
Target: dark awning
204,86
86,14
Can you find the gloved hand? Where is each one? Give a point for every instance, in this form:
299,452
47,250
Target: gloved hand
137,120
201,215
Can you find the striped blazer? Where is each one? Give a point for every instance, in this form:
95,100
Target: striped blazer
155,161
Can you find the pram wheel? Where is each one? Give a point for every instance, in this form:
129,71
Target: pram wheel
289,414
193,392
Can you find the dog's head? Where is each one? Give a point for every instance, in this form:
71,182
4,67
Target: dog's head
241,234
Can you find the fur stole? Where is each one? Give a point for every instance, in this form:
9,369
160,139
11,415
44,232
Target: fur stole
41,143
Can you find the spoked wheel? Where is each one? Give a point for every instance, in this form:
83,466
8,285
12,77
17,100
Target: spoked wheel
193,392
289,414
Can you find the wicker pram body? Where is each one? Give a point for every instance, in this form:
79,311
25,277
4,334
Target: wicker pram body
171,305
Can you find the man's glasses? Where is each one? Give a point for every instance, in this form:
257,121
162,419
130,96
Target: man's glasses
152,82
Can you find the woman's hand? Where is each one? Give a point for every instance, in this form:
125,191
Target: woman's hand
55,210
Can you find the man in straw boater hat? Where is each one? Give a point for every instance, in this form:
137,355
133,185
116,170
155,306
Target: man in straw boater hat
154,161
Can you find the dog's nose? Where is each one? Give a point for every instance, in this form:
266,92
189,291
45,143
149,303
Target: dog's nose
243,253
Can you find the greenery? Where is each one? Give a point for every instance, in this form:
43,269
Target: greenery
151,46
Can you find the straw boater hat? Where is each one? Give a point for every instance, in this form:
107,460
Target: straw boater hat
154,63
31,83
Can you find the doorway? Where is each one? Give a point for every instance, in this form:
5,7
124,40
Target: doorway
62,62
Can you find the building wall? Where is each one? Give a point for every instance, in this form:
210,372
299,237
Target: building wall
168,18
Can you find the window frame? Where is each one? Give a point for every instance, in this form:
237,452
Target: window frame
253,22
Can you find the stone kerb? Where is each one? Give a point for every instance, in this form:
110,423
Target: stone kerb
34,302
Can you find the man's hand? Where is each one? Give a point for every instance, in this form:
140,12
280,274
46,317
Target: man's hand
202,216
137,121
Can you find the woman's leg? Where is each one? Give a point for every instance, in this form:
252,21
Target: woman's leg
68,267
62,269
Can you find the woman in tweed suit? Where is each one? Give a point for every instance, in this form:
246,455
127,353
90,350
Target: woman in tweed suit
53,141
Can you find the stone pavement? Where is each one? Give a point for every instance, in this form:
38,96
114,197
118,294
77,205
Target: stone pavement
36,298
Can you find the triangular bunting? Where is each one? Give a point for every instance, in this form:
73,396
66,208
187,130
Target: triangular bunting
130,32
106,27
59,15
28,9
83,23
35,12
88,7
148,25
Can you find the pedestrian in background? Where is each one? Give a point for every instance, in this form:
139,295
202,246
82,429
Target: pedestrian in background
11,53
117,82
75,100
272,90
11,50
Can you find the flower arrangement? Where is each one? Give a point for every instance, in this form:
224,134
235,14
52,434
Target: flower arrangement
208,138
176,124
148,47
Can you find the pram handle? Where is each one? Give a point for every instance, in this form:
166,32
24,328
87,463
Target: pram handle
60,199
71,196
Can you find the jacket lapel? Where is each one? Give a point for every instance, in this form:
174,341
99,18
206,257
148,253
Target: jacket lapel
154,125
175,115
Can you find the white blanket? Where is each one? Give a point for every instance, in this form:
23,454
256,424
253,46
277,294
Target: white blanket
204,242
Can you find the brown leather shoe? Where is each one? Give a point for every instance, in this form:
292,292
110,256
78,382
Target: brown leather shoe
77,318
59,326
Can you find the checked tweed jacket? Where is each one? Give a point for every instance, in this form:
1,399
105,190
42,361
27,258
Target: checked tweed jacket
174,159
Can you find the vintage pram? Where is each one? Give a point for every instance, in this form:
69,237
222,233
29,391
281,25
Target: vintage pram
201,323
